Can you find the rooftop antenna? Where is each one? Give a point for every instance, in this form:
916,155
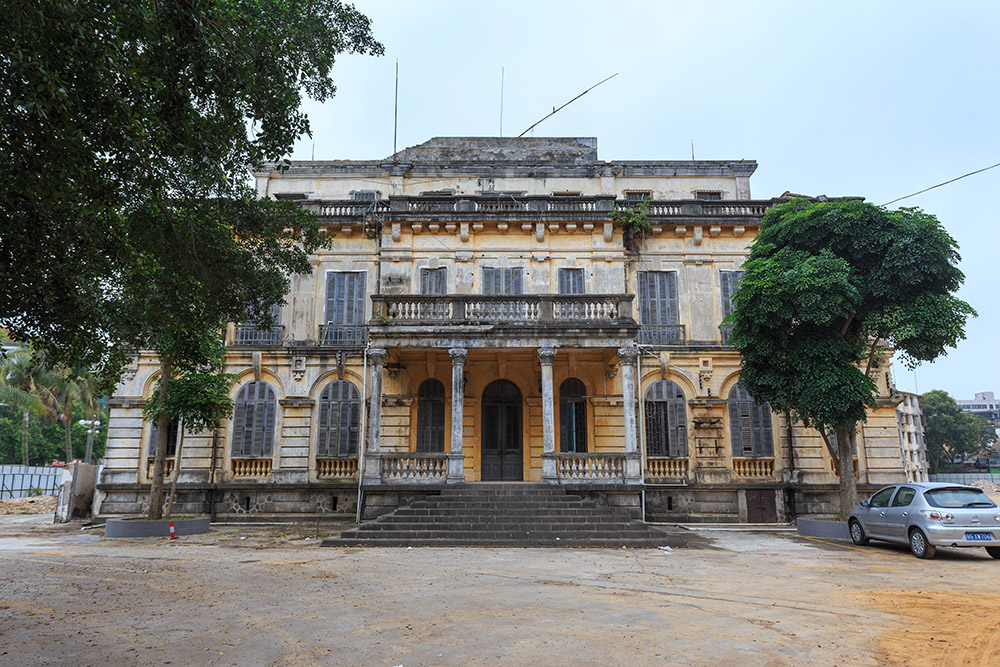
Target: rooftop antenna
395,110
314,151
501,101
692,150
554,110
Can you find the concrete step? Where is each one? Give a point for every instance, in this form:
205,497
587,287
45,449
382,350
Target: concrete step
563,543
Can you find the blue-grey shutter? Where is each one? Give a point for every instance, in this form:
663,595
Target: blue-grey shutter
433,281
253,420
749,424
512,281
658,297
492,279
345,297
730,283
571,281
340,420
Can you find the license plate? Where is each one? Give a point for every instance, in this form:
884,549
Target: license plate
979,537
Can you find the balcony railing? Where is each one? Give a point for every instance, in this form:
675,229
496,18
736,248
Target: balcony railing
251,334
527,309
343,336
753,467
256,467
168,467
413,467
585,467
341,467
666,468
726,329
659,335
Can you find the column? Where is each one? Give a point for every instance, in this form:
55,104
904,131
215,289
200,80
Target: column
373,463
546,355
456,456
633,462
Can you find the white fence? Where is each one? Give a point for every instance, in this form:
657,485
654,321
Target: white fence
965,477
18,481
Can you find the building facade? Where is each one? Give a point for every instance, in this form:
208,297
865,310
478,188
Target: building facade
911,438
482,317
984,404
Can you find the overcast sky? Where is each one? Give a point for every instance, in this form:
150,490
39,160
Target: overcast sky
878,99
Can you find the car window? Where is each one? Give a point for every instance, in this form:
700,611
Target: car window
881,499
958,496
904,496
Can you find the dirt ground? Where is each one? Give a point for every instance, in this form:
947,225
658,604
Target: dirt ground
249,595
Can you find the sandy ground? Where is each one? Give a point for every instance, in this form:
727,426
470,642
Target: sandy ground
250,595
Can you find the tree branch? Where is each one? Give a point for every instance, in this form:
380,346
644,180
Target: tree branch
834,452
843,329
871,356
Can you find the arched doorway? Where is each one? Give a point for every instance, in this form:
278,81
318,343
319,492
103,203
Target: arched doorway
501,434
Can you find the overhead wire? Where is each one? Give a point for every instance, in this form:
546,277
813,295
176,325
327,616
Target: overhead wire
971,173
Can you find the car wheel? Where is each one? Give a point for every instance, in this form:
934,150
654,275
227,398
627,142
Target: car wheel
858,533
993,551
919,545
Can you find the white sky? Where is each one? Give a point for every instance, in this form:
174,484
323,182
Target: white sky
878,99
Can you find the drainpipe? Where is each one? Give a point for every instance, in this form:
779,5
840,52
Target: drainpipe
791,455
640,432
364,428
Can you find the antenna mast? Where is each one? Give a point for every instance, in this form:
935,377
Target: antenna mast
395,110
554,110
501,101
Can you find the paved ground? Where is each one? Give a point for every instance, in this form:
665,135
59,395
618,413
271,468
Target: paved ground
266,595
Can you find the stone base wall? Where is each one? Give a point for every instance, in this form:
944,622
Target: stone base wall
234,502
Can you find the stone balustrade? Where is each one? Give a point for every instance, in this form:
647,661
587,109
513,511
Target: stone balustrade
343,336
341,467
407,467
246,467
659,335
753,467
666,467
527,309
584,467
168,467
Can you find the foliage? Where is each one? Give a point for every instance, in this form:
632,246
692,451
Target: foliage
46,441
635,223
950,433
131,124
199,398
827,284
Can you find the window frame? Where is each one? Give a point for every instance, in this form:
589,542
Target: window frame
265,411
665,416
333,440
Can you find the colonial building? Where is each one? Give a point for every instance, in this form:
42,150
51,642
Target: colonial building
911,438
480,317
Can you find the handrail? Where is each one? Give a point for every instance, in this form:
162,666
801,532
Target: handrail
514,309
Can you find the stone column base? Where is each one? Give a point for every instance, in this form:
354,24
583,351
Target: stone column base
633,468
455,471
372,473
549,474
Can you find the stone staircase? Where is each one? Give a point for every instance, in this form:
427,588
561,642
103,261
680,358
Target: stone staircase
496,515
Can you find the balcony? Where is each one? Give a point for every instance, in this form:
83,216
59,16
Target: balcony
343,336
522,309
662,335
253,335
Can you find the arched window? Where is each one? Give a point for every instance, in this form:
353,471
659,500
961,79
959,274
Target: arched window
666,420
749,424
172,429
339,420
253,420
430,416
572,416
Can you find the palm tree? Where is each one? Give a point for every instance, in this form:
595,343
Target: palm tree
23,378
67,385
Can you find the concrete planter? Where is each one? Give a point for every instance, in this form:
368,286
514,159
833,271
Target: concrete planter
147,528
836,530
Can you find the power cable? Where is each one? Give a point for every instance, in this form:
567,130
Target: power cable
940,184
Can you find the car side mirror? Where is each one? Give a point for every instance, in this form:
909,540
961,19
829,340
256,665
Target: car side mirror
864,503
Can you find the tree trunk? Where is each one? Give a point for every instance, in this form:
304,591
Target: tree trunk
68,424
845,467
162,435
25,416
177,472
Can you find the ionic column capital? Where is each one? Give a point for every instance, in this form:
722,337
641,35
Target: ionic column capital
458,355
628,354
377,355
546,355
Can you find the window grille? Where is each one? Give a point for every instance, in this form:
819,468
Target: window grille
430,416
572,416
253,420
709,195
636,196
666,420
339,420
749,424
366,195
502,281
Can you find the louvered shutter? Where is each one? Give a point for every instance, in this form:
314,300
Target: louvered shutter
433,281
658,297
730,283
571,281
672,314
512,281
491,281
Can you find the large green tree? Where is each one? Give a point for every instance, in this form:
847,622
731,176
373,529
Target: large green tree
951,433
829,288
114,114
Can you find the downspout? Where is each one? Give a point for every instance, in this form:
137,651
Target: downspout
213,491
640,432
362,445
791,456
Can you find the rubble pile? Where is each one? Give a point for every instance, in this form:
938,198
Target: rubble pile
32,505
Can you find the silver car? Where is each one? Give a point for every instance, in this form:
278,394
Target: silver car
927,515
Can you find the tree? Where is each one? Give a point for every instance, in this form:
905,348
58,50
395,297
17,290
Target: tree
950,433
116,113
23,376
831,288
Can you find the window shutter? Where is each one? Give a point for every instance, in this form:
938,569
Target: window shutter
433,281
571,281
512,281
658,297
730,283
490,285
672,315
